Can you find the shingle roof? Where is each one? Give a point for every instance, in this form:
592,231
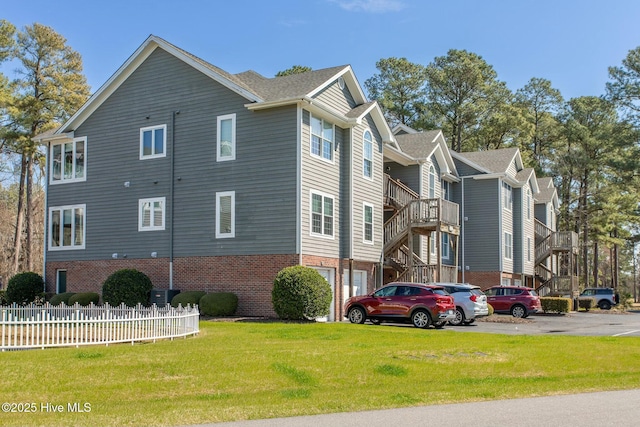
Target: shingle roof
418,145
545,182
495,161
287,87
276,88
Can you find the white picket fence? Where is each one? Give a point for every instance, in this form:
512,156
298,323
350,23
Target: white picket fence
41,326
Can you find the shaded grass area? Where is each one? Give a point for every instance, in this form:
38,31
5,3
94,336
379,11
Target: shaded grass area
235,371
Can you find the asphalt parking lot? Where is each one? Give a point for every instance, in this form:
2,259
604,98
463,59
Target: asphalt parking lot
592,323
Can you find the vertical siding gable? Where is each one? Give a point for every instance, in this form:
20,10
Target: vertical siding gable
482,232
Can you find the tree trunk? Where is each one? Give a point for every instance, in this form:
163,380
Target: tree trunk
28,215
596,259
17,241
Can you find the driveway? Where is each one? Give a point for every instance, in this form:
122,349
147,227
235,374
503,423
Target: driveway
592,323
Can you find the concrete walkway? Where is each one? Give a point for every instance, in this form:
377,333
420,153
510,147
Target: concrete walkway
584,410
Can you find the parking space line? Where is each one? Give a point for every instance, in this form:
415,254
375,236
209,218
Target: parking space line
626,333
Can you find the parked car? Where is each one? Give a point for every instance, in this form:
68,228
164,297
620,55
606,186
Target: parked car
604,298
417,303
519,301
470,302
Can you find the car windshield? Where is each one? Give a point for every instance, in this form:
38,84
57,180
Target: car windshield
385,292
477,292
533,293
439,291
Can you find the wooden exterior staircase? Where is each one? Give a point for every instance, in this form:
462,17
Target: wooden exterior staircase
411,216
556,261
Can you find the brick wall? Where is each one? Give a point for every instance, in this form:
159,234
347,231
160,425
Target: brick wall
249,277
484,279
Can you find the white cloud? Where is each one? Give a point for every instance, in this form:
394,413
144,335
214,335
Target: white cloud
370,6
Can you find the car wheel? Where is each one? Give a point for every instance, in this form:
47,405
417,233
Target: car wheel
518,311
420,319
604,305
375,321
468,322
438,325
356,315
459,318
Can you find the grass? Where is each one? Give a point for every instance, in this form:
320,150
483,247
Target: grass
235,371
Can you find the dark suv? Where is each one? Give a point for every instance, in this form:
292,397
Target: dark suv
418,303
604,298
519,301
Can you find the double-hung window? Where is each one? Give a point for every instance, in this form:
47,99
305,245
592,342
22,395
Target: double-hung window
445,246
321,215
367,147
68,161
508,245
153,142
528,204
368,223
508,196
226,138
151,213
432,182
322,138
67,227
225,214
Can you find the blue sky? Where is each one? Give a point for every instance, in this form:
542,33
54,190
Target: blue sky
570,42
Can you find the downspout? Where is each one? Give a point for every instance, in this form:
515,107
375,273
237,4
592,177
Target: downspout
463,266
171,192
299,185
46,218
351,199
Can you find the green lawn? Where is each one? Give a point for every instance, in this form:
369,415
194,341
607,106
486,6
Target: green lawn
235,371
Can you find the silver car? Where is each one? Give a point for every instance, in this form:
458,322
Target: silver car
470,302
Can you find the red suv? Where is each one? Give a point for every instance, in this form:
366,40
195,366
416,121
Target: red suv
421,304
518,301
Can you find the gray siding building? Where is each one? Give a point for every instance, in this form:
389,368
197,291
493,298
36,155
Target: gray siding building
206,180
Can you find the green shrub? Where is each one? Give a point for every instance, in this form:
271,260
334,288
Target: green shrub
24,288
187,298
555,304
300,293
3,298
219,304
61,298
491,310
84,298
128,286
586,303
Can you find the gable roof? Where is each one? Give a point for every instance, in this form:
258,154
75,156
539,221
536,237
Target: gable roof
492,161
259,91
417,147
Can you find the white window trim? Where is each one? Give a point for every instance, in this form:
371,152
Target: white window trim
164,140
333,215
333,142
219,233
445,245
508,255
219,156
84,229
528,249
62,179
507,194
366,205
364,158
432,182
528,204
141,203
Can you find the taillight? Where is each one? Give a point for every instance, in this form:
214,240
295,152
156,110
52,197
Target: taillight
473,297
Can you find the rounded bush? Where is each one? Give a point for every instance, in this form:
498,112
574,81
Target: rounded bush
218,304
491,310
58,299
300,293
128,286
24,288
187,298
84,298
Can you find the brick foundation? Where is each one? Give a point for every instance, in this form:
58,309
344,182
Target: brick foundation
249,277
